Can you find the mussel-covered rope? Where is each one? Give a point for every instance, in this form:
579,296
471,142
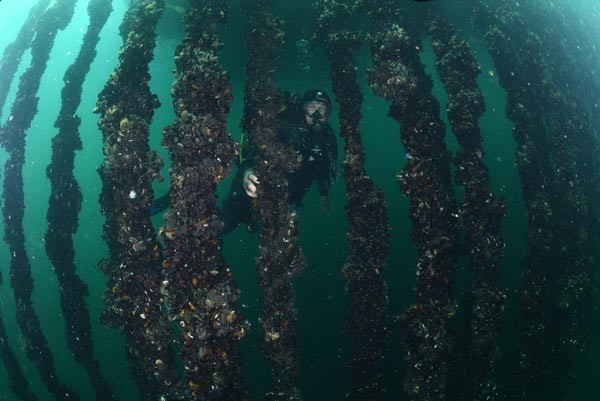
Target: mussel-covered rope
201,293
481,212
368,228
398,76
570,93
12,137
558,280
535,184
13,53
65,204
17,381
280,256
133,265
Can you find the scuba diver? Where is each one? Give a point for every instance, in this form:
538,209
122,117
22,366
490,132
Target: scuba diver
302,125
305,128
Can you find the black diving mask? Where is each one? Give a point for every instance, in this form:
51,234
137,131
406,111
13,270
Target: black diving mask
317,124
316,110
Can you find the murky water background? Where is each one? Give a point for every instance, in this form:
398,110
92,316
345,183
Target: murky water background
320,288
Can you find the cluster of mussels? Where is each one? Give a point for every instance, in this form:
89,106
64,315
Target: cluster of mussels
280,257
398,75
65,203
368,228
481,212
12,137
197,282
557,270
14,51
133,300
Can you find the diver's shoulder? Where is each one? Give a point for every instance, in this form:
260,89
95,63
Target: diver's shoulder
284,120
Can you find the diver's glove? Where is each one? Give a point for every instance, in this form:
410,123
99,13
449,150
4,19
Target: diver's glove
250,181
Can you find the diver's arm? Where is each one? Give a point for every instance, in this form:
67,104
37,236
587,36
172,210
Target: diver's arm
332,151
250,180
160,204
323,185
244,163
325,203
329,173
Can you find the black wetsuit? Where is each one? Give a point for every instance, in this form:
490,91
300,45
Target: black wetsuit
318,149
319,157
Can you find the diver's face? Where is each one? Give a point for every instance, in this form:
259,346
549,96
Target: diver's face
316,111
312,107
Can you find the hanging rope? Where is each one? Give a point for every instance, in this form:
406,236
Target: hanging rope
398,76
65,204
280,257
368,228
17,381
133,300
13,53
481,212
557,269
201,293
12,137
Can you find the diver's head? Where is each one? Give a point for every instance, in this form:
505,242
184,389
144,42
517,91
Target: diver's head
317,107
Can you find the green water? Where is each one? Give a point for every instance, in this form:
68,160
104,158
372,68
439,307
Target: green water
321,303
